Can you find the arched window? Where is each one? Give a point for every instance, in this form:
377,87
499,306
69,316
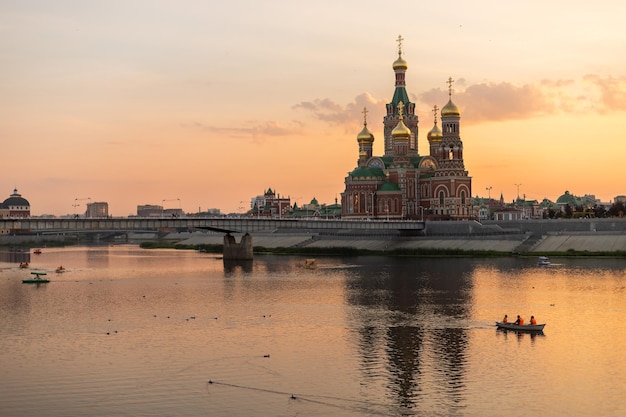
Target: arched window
441,196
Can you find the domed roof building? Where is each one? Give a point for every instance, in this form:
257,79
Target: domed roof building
15,206
401,183
567,198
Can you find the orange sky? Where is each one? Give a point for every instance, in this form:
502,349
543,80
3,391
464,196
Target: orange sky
207,104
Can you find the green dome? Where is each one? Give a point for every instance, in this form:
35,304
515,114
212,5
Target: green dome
367,172
389,186
566,198
15,200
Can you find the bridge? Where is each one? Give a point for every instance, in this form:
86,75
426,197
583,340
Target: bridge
226,225
219,224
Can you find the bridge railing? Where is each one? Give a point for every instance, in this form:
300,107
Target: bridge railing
243,225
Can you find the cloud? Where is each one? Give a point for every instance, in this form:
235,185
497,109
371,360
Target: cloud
479,103
610,92
507,101
256,131
349,115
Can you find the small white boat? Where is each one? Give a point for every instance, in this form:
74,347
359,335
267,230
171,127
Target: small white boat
543,261
521,328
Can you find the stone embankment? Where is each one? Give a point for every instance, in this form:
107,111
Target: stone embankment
531,236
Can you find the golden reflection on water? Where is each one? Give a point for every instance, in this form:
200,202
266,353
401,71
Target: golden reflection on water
133,332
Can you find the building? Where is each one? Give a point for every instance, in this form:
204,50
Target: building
15,206
149,210
270,204
401,183
98,209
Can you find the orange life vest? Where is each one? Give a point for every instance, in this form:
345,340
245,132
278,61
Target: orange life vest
521,321
533,321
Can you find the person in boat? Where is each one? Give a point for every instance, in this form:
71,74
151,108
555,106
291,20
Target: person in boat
519,321
505,320
533,321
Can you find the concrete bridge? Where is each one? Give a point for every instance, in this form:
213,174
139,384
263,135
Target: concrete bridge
102,228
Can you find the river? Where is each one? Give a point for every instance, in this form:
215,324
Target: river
132,332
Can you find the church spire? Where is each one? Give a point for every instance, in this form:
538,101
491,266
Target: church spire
365,139
400,95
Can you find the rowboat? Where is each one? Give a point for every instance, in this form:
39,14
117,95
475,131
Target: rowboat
36,278
308,264
520,328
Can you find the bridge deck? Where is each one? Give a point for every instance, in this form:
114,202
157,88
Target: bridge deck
221,224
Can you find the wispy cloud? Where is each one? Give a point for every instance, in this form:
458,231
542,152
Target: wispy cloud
255,131
507,101
349,115
611,91
486,102
479,103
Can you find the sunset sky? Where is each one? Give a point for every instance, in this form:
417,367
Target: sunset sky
205,104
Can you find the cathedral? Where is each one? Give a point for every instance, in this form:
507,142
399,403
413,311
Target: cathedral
401,183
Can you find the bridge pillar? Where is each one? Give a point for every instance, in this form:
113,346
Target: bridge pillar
238,251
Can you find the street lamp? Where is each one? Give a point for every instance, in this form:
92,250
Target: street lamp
169,199
489,191
76,200
518,185
421,211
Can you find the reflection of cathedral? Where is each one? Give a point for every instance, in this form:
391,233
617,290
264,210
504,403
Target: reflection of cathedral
401,183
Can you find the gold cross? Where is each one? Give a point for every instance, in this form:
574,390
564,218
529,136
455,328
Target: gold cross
400,39
435,109
400,109
450,81
364,115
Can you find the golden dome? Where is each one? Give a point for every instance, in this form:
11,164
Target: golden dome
401,131
365,135
435,134
400,63
450,109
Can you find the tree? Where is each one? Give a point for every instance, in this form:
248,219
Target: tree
599,211
568,211
616,210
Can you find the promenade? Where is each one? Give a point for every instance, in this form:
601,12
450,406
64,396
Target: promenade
529,236
605,235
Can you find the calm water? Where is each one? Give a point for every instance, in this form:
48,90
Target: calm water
131,332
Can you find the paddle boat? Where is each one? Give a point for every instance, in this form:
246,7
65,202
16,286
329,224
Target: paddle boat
23,265
543,261
36,278
520,327
37,251
60,269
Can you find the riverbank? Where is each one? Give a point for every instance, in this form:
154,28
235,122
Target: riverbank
599,237
575,243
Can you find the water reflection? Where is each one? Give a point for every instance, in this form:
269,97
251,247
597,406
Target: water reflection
415,309
520,336
14,255
354,337
232,266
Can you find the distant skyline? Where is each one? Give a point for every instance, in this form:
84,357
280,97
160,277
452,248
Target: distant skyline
207,104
